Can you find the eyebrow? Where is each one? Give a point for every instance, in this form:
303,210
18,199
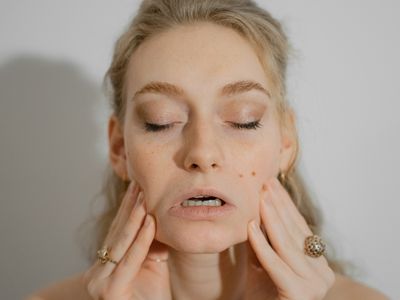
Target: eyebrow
229,89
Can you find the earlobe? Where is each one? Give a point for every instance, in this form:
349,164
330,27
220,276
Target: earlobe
116,144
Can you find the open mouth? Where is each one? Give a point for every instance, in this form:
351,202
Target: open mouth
203,200
203,204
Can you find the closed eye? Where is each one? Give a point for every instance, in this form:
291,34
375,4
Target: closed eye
157,127
251,125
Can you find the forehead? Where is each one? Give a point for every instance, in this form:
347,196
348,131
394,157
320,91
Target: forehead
201,58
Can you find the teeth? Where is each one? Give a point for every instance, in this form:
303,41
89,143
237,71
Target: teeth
215,202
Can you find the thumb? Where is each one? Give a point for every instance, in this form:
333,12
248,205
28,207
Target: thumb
158,251
253,262
157,259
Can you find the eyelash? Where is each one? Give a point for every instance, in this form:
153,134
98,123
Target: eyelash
155,127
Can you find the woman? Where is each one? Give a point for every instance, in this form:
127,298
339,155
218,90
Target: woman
200,112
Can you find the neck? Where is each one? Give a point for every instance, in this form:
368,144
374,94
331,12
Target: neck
209,276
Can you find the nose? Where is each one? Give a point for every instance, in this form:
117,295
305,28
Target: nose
202,150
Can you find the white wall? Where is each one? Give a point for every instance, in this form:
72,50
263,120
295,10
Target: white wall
343,84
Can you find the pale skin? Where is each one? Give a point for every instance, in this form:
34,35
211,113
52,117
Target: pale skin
206,259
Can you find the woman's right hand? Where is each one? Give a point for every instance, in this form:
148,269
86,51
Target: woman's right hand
136,276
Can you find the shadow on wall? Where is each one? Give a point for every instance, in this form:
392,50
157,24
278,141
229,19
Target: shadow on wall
50,170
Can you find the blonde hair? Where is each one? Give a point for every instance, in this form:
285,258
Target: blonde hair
269,41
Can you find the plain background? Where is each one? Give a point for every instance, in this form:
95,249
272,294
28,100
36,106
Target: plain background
343,82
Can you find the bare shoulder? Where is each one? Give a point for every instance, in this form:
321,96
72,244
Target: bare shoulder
347,288
69,288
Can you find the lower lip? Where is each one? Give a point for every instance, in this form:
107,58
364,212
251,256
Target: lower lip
198,213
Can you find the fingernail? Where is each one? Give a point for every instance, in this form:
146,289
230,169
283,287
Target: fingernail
267,200
139,199
253,225
132,186
147,221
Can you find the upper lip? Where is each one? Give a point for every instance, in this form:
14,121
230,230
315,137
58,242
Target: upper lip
202,191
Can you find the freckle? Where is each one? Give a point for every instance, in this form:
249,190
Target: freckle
264,187
253,173
240,175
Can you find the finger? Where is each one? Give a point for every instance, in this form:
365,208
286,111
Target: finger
158,252
157,258
287,203
282,242
277,269
128,204
295,223
125,207
132,261
252,258
279,201
127,233
296,217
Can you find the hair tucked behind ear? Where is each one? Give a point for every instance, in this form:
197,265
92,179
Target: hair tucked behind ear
269,41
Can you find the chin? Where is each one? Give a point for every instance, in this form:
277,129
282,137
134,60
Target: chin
195,240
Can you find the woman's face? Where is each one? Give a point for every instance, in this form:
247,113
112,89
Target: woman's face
201,148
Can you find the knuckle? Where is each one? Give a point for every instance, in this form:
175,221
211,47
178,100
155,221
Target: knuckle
130,256
86,276
126,235
285,245
123,236
315,290
133,215
110,237
319,291
105,292
98,289
92,287
113,227
331,278
140,243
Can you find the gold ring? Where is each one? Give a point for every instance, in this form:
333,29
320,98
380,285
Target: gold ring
314,246
103,255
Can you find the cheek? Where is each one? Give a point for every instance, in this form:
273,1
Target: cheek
252,172
259,159
145,164
259,166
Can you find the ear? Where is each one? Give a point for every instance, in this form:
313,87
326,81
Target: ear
288,140
117,147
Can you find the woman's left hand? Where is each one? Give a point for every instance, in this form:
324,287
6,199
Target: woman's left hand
294,274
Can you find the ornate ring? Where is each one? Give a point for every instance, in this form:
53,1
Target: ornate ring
103,256
314,246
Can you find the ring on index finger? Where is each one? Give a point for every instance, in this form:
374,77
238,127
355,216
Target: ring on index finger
103,255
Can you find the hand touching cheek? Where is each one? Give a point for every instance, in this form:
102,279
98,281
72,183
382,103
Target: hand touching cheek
295,274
